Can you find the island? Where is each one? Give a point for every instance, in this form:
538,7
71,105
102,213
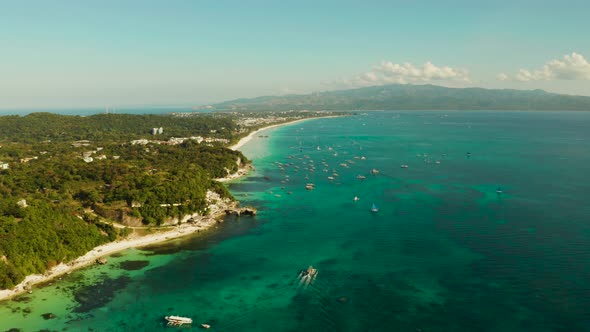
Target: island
76,188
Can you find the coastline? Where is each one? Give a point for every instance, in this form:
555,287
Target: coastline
200,223
246,139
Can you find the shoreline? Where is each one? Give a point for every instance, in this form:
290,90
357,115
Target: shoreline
251,135
245,170
184,228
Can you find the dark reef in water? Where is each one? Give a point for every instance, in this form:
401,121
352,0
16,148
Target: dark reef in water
97,295
48,315
133,265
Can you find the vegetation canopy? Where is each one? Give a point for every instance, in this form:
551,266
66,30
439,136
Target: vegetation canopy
65,179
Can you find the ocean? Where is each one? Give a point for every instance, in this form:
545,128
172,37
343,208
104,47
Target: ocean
486,229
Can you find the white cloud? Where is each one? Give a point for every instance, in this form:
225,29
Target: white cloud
388,72
572,67
502,77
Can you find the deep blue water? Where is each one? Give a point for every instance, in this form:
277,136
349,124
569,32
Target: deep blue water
445,251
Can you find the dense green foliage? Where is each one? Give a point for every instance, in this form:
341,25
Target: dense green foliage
414,97
42,235
70,203
37,127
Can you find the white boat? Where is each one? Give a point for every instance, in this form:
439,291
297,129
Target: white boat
178,320
404,166
356,198
374,208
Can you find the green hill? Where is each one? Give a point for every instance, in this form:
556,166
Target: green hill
414,97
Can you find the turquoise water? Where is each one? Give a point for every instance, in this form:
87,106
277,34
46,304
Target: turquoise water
445,251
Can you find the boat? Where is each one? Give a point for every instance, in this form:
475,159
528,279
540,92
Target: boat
310,186
374,171
205,326
307,276
356,198
178,320
361,177
499,190
404,166
374,208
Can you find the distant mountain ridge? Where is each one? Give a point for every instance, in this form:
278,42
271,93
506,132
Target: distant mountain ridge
413,97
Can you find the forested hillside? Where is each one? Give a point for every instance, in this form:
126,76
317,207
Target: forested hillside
414,97
63,179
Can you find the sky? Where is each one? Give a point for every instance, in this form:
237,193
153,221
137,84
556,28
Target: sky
127,53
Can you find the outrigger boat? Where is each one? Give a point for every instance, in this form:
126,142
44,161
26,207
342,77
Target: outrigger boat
307,276
178,320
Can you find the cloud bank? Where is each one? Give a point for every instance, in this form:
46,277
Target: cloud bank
572,67
388,72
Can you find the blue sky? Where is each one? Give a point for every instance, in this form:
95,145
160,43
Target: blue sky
132,53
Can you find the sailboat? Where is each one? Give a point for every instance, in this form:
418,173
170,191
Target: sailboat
374,208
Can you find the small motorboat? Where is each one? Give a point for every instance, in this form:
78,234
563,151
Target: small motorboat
356,198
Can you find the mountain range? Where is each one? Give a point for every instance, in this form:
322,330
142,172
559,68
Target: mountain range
412,97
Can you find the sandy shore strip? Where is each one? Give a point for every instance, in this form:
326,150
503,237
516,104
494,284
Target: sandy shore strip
199,223
245,170
103,250
246,139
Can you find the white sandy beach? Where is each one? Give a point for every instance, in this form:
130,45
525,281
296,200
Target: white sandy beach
246,139
243,171
200,223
